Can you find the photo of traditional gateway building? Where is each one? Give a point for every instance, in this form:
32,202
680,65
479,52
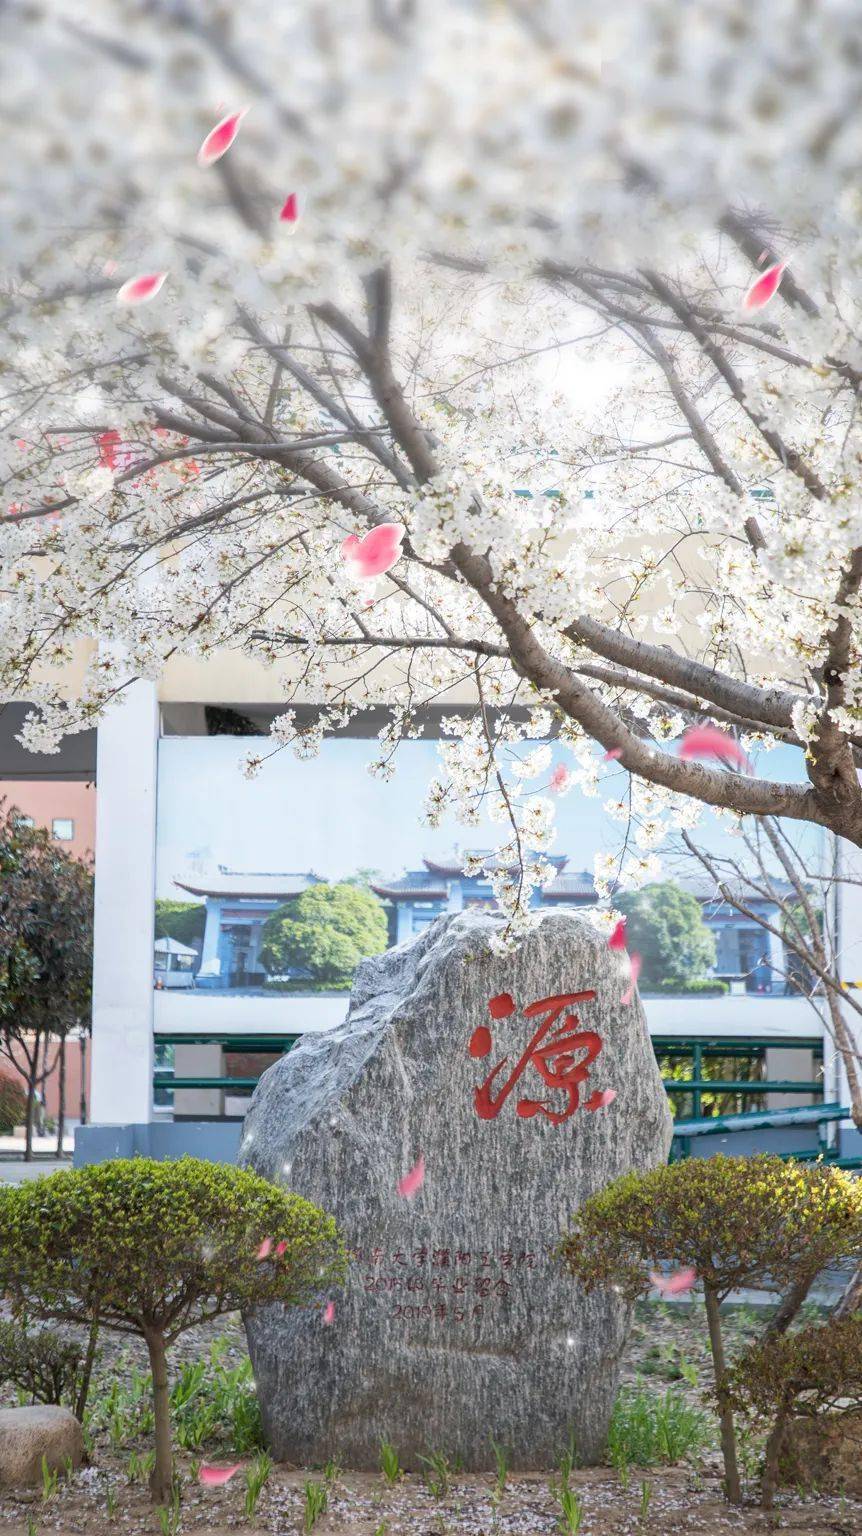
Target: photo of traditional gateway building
748,958
238,904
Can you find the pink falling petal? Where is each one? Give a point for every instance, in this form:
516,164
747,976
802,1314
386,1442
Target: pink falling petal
290,212
600,1098
329,1313
216,1477
265,1248
281,1248
764,287
634,972
412,1182
108,443
218,141
613,755
560,777
138,290
674,1284
709,741
617,939
376,552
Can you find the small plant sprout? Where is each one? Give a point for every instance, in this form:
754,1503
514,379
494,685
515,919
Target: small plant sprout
501,1469
170,1515
571,1513
568,1462
169,1520
379,1530
110,1501
316,1500
331,1471
389,1464
256,1477
32,1527
646,1496
438,1474
50,1479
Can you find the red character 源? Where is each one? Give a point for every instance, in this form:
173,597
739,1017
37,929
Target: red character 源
560,1050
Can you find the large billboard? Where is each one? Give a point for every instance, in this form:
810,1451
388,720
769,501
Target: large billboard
279,885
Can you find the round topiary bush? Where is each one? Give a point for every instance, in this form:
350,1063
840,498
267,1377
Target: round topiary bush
154,1248
736,1221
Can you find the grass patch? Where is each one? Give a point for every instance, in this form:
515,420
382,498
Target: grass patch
651,1428
213,1406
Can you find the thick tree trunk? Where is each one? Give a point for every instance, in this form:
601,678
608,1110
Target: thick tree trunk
851,1298
849,1053
790,1304
61,1107
162,1474
732,1486
28,1118
83,1105
771,1458
89,1358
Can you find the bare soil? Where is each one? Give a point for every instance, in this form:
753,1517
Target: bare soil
668,1347
360,1504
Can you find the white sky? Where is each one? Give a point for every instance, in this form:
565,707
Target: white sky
328,814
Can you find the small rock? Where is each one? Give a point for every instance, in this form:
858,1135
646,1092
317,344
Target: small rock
28,1434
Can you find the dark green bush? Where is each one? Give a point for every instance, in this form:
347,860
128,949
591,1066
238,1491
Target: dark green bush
42,1365
697,986
817,1369
153,1248
737,1222
13,1104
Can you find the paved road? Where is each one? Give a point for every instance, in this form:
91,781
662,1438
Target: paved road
15,1171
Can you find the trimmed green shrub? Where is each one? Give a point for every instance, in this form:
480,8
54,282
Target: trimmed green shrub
737,1222
44,1367
154,1248
817,1369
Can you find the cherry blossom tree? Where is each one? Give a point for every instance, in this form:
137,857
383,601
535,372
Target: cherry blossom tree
478,270
804,916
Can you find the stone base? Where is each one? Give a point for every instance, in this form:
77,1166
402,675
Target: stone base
824,1453
28,1434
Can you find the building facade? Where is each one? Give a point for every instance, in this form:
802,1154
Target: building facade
748,957
238,904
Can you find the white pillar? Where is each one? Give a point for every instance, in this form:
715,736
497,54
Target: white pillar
122,1061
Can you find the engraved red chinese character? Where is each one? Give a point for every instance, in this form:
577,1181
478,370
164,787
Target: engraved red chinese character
560,1051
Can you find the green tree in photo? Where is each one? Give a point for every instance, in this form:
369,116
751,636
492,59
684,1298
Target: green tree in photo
664,925
46,955
327,930
181,920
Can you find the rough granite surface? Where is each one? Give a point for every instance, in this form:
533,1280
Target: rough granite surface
29,1434
457,1322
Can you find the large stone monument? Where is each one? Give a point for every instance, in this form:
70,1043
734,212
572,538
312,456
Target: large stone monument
458,1323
